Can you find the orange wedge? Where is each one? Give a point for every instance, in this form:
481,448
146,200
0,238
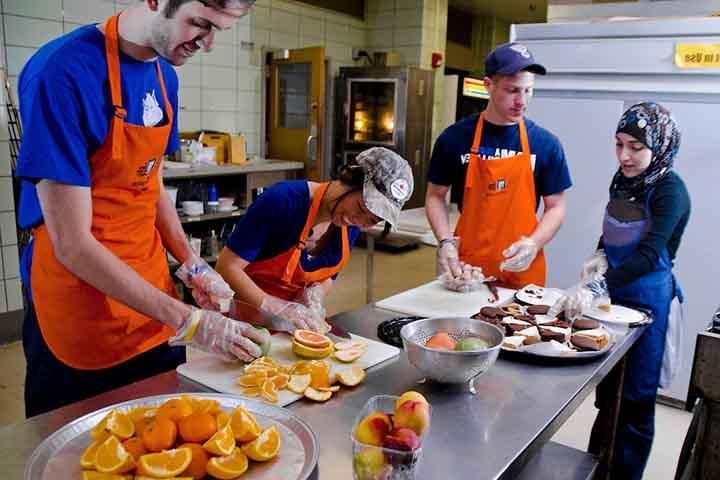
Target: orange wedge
265,447
95,475
298,383
254,379
175,409
268,391
202,405
111,457
222,419
222,443
98,432
87,460
244,426
333,389
167,464
351,377
228,467
281,380
251,392
120,425
300,367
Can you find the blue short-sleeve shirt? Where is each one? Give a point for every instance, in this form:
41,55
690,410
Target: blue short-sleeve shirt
274,222
451,155
66,107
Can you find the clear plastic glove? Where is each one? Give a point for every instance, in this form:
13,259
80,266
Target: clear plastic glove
208,288
520,255
448,259
596,265
579,299
471,279
214,333
296,313
313,297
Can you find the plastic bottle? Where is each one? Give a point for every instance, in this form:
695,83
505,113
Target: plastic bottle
212,193
213,246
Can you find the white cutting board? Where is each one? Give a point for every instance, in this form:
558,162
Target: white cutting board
434,300
221,376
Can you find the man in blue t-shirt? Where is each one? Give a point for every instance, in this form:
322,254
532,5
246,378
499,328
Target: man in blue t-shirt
499,165
99,109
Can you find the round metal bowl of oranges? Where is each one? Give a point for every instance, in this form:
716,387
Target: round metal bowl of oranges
214,436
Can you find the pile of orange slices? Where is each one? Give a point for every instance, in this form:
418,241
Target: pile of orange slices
184,438
264,378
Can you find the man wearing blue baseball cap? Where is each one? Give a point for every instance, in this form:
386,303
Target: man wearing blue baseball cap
499,164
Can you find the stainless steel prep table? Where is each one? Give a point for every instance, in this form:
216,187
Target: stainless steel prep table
519,406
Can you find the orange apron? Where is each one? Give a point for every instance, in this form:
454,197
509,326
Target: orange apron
498,208
83,327
283,275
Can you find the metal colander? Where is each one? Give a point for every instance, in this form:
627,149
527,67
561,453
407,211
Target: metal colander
450,366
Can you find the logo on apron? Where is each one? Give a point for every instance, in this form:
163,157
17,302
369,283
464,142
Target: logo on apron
498,186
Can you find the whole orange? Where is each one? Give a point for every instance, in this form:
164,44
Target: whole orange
200,458
159,435
135,447
441,341
174,409
197,427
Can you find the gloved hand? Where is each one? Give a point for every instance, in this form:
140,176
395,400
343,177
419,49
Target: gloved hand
448,259
313,297
580,298
296,313
520,255
208,288
214,333
596,265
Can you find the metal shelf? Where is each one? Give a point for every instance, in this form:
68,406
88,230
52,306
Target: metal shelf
260,166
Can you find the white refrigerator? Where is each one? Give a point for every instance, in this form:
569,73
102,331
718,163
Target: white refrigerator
596,71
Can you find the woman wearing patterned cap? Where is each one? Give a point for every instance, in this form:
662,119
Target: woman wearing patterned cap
294,239
644,222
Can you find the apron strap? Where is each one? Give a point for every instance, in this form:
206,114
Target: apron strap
112,55
295,257
168,106
474,152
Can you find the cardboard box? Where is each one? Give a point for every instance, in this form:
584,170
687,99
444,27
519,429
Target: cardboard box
219,140
238,155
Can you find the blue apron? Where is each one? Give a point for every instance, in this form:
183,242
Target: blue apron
653,291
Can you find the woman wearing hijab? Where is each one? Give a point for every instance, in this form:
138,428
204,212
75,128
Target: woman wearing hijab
645,218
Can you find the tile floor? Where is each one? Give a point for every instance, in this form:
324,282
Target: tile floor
395,273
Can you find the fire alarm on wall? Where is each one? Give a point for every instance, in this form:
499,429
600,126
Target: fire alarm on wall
437,59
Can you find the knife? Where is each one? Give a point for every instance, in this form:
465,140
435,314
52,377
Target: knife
337,331
250,313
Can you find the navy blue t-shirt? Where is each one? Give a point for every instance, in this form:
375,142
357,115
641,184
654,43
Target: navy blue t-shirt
66,107
274,222
451,155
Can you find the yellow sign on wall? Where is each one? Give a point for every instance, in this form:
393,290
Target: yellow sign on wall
697,55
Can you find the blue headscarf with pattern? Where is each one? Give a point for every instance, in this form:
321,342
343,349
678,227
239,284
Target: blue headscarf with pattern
653,125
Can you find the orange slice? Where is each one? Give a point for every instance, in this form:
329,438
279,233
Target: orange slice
311,339
222,443
111,457
317,395
268,391
281,380
254,379
95,475
137,413
202,405
145,477
98,432
120,425
265,447
244,426
351,377
251,392
222,419
320,373
350,355
228,467
300,367
298,383
311,352
87,460
167,464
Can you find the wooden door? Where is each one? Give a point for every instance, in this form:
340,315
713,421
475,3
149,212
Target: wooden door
297,108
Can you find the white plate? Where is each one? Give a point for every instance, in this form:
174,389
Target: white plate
618,314
545,296
542,350
58,456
